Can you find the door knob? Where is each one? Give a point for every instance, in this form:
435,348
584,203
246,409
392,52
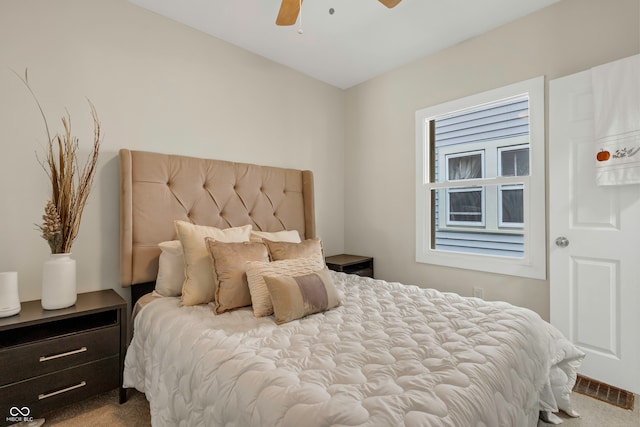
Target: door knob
562,242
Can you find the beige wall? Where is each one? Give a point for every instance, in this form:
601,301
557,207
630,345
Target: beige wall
157,86
161,86
568,37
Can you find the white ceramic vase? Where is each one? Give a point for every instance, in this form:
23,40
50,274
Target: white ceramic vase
59,282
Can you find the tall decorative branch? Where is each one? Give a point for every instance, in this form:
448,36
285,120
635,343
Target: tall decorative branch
70,184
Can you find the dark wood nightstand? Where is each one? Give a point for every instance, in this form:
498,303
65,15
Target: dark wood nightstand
50,358
351,264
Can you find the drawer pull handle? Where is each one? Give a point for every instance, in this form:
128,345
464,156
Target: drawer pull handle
68,353
64,390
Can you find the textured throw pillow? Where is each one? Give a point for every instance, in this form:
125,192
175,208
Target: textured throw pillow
170,269
199,287
288,250
296,297
260,298
229,262
276,236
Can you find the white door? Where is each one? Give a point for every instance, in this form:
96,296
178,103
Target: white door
595,278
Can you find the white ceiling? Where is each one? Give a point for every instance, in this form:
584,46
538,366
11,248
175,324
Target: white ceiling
360,40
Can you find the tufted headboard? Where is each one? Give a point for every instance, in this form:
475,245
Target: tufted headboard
156,189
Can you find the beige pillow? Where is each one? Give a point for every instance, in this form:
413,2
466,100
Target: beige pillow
296,297
260,298
276,236
170,269
229,262
287,250
199,287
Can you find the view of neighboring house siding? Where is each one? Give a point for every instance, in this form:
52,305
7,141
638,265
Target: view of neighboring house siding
481,130
502,120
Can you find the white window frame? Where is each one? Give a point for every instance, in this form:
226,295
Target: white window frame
471,224
502,149
533,264
483,207
465,154
501,222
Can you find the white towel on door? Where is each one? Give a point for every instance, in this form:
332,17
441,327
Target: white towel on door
616,97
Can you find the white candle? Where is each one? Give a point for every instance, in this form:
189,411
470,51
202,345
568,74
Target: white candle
9,299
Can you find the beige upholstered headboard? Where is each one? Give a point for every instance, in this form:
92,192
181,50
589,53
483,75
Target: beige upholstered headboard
156,189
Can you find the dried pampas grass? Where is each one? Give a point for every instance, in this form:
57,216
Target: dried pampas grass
70,184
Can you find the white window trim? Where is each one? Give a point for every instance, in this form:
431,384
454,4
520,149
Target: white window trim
533,264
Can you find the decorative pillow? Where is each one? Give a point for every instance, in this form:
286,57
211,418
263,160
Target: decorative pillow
286,250
229,267
296,297
276,236
199,287
170,269
260,298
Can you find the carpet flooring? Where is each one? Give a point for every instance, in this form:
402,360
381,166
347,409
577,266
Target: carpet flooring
596,413
105,411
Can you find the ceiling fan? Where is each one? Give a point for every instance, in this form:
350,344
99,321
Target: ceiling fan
289,10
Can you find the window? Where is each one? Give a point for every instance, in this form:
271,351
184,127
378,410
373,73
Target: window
480,200
514,161
465,205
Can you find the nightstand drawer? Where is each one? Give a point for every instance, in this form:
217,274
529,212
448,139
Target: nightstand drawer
50,355
46,392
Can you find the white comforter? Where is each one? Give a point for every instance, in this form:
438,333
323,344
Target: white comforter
391,355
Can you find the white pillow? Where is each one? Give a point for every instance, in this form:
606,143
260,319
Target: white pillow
170,269
291,236
260,297
199,286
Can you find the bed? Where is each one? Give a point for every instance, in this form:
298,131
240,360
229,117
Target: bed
360,352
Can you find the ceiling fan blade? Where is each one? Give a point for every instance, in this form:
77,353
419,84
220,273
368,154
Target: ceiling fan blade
289,10
390,3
